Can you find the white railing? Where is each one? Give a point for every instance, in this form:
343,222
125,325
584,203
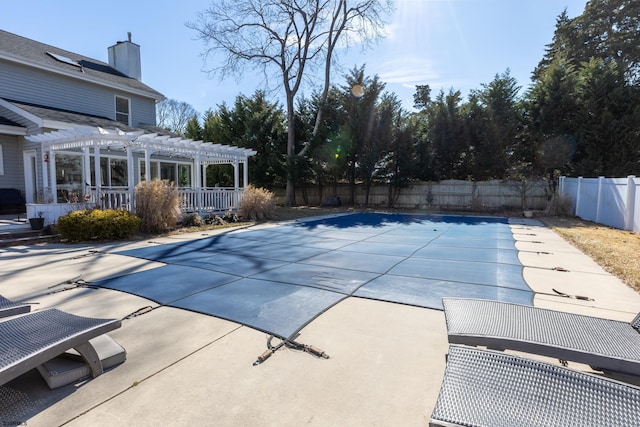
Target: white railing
210,200
204,200
115,199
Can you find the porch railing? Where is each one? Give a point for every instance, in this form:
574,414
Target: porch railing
205,200
210,200
202,201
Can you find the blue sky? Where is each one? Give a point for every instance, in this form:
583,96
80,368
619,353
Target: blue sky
443,43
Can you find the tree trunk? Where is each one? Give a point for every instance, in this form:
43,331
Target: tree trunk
291,147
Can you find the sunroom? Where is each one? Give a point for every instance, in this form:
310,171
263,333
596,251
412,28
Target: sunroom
97,167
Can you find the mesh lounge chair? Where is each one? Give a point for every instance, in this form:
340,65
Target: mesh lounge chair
10,308
489,388
603,344
32,339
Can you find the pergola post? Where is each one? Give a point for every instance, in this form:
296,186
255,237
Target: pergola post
130,179
236,184
245,173
86,169
45,173
97,173
52,176
147,165
198,180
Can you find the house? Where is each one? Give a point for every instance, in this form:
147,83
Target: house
78,132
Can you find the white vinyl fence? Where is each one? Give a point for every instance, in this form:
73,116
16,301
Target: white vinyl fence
610,201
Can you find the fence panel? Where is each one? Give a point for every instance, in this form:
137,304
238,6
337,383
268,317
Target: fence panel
610,201
450,194
587,199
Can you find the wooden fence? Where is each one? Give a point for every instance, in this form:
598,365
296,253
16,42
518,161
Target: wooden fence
446,195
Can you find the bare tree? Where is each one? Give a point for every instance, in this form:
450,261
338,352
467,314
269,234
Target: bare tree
174,115
286,40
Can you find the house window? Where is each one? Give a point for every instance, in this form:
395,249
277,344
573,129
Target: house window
168,171
69,170
122,110
69,181
174,172
118,172
113,172
184,175
153,170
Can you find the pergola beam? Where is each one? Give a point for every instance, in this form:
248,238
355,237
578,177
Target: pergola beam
138,141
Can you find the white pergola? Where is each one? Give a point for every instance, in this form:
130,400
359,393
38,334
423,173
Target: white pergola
91,140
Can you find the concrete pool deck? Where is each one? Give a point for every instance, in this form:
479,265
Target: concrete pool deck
386,360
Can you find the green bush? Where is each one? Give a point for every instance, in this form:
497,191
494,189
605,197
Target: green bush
158,205
96,224
257,204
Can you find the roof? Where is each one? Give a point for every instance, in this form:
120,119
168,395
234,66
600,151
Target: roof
30,52
6,122
53,117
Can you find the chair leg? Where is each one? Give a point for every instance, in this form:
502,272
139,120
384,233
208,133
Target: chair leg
90,355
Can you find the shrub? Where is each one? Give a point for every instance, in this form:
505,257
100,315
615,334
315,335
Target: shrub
158,205
257,204
192,220
230,217
213,220
96,224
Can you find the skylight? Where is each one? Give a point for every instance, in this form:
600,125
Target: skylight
64,59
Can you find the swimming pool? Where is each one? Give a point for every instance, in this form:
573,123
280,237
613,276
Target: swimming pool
278,279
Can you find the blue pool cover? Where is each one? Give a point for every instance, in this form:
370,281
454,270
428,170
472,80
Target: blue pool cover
279,279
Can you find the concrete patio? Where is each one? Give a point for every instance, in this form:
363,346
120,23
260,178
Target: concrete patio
183,368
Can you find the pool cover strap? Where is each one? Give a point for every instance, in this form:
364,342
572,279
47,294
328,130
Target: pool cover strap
289,344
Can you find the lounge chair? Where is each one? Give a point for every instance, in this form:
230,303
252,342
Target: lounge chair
490,388
32,339
603,344
10,308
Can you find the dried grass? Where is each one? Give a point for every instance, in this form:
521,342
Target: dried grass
158,205
257,204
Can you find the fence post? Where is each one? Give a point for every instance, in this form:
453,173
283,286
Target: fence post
629,216
578,192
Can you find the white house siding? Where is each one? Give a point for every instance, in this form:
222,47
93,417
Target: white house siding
66,93
13,165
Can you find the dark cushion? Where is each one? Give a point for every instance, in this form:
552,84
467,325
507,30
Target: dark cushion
11,200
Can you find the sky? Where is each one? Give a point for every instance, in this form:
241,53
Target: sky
458,44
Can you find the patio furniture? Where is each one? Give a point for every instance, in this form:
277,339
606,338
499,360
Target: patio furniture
603,344
11,201
490,388
11,308
32,339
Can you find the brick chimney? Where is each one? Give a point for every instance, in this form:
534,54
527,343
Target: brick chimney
125,57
